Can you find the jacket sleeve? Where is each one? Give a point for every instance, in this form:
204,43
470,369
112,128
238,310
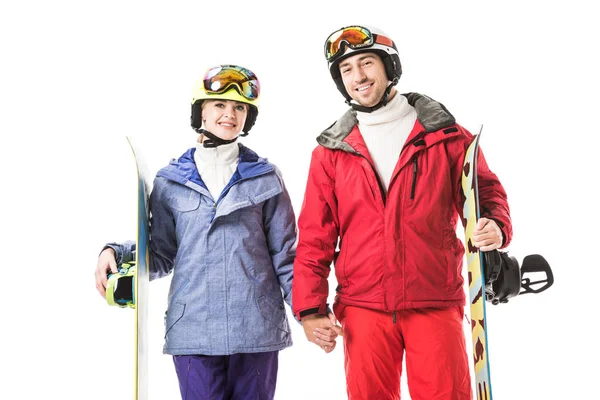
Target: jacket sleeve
318,235
493,202
163,242
163,246
280,230
124,252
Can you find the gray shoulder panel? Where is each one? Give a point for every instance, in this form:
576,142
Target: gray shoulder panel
333,137
430,113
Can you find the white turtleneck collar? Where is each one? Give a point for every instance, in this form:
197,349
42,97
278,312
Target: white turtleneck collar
216,165
397,108
385,131
223,154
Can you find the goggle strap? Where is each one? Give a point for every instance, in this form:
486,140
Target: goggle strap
379,39
383,40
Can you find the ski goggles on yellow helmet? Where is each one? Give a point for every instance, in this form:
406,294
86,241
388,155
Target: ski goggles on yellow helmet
219,80
354,37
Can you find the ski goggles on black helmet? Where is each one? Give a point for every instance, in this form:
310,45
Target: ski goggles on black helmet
354,37
220,79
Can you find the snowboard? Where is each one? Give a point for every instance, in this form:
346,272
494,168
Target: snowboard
141,276
483,386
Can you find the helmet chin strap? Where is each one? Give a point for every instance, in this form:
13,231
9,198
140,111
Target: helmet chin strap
382,103
212,140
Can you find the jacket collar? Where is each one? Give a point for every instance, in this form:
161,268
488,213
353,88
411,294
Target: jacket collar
184,170
431,116
430,113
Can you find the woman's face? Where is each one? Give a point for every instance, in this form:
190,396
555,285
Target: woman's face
224,118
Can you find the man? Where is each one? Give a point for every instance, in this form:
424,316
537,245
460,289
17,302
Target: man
382,202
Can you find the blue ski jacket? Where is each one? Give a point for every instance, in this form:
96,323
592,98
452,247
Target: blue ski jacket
231,258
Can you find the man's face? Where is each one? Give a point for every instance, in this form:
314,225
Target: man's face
364,78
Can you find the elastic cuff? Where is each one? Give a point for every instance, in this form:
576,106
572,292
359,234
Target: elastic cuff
323,310
117,255
310,311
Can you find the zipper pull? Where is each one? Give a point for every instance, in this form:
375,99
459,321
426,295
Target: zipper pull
414,180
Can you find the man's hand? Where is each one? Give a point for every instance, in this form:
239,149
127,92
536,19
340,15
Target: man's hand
487,235
322,330
106,263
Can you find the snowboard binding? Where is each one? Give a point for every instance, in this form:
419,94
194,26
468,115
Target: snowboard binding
504,279
121,286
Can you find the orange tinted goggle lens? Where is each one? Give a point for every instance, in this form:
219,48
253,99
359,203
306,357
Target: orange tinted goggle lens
220,79
352,36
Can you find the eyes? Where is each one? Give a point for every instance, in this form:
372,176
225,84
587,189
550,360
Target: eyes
365,63
238,107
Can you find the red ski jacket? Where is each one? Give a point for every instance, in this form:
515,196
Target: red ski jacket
395,251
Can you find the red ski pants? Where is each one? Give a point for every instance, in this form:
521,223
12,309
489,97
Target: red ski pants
436,358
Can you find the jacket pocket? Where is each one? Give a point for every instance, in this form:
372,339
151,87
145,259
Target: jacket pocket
273,312
454,256
186,201
340,264
173,316
176,309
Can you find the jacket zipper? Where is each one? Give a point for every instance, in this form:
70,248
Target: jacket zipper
226,189
414,179
230,185
379,183
417,137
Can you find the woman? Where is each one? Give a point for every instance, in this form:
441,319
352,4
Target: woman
223,224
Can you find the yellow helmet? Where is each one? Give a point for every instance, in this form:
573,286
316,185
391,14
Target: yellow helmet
227,82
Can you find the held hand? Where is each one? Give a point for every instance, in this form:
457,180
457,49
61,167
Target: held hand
106,264
335,326
487,235
322,330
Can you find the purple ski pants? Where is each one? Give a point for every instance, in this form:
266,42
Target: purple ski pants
246,376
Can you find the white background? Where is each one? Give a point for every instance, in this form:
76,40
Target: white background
77,77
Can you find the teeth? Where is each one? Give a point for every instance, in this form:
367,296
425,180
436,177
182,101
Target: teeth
363,88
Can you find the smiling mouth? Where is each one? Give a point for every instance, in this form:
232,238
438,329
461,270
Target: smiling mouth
227,124
363,88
